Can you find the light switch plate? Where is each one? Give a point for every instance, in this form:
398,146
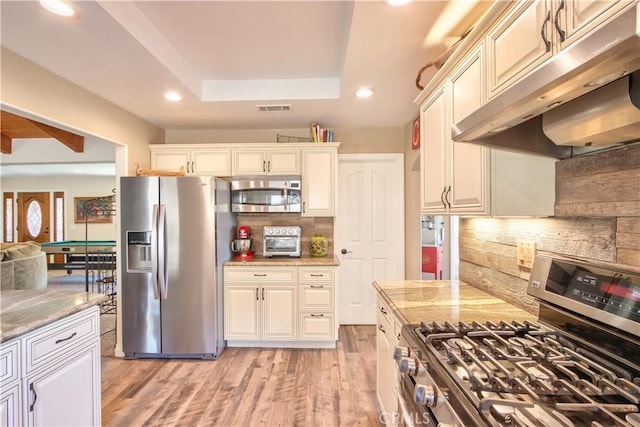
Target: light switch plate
526,253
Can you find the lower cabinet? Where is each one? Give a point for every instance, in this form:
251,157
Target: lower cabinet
260,312
51,376
387,335
49,392
279,306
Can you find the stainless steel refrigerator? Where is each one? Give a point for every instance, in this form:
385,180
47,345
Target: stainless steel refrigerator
176,233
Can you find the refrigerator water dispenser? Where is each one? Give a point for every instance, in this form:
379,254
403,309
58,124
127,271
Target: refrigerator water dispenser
139,251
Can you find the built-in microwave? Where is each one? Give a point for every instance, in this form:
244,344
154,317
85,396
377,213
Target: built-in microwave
266,194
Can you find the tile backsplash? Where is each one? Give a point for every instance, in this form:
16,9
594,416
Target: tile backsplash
310,227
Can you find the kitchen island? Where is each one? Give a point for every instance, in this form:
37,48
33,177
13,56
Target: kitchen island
413,301
50,354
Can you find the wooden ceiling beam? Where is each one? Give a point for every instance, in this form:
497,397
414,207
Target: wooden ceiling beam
13,126
6,144
73,141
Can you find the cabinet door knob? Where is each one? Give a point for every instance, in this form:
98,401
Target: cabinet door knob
344,252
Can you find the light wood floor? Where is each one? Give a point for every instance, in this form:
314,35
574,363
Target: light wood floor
248,387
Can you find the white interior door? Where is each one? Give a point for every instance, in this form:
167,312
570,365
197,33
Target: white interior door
369,228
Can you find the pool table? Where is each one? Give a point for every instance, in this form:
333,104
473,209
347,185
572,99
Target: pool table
100,254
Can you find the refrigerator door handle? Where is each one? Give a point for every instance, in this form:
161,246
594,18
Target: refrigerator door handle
154,252
163,280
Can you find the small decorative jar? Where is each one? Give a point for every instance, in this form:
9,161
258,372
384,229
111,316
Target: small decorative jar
319,246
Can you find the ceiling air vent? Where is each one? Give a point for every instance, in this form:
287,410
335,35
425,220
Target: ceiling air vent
274,107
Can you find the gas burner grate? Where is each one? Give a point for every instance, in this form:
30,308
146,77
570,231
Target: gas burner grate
514,369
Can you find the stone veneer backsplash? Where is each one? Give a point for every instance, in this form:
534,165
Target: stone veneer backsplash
310,227
597,218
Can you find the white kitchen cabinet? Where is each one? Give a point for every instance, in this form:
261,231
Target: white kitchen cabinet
319,180
515,45
454,176
10,394
274,161
260,303
279,312
387,333
262,312
433,153
73,380
10,405
467,178
279,306
241,312
46,369
533,31
578,17
317,304
196,160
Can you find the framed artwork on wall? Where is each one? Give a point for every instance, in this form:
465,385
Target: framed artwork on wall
415,138
96,209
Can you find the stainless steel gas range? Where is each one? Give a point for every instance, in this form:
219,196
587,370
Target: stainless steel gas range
577,365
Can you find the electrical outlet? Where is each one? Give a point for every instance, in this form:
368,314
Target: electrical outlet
526,253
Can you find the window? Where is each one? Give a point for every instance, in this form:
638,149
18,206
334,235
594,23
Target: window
58,216
8,217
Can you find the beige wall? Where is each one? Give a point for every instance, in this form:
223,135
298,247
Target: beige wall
413,232
597,218
31,91
352,140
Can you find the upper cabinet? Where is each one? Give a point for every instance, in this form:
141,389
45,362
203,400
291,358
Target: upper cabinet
453,173
319,180
575,18
533,31
518,43
469,179
317,164
196,160
274,161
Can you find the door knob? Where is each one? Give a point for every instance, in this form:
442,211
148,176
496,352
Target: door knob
344,252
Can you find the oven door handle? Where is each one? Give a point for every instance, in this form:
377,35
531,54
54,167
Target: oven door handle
404,408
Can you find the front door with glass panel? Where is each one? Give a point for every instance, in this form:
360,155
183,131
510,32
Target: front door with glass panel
33,217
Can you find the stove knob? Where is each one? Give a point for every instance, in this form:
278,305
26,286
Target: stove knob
399,352
424,395
407,365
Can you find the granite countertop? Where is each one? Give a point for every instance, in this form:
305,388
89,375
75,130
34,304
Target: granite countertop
23,311
413,301
303,261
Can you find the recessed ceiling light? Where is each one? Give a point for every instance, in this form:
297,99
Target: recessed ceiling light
173,96
59,7
398,2
365,92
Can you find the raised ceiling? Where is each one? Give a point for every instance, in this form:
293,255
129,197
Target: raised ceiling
227,58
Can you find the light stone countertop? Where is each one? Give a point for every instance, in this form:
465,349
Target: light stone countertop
413,301
304,261
23,311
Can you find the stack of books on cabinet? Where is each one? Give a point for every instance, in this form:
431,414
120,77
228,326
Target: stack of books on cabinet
319,134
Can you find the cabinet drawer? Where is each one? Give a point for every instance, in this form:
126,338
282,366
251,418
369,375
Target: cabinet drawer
9,361
58,338
258,274
317,297
384,312
317,327
317,275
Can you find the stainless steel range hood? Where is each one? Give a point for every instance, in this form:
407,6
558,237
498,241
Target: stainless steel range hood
514,118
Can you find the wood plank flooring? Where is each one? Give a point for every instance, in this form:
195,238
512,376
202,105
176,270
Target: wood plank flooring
248,387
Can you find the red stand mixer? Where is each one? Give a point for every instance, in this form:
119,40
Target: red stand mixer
242,245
